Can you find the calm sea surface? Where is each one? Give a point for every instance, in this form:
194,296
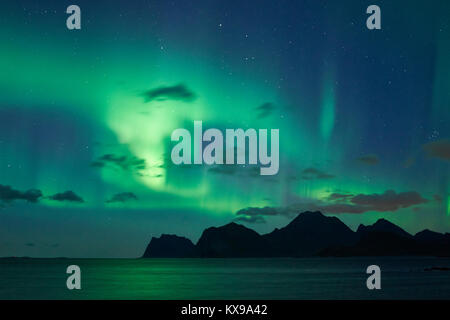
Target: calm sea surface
315,278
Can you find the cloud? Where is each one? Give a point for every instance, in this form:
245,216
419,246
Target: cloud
256,215
388,201
438,149
339,196
265,110
69,196
122,197
8,194
343,203
125,163
342,208
177,92
313,173
30,244
250,219
223,169
370,159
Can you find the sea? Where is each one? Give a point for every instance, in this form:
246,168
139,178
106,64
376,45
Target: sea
259,279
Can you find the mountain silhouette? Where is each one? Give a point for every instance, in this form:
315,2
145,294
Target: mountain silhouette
231,240
382,225
430,241
427,236
384,238
308,234
170,246
376,243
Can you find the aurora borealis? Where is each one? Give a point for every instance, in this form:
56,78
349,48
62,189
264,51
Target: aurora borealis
86,117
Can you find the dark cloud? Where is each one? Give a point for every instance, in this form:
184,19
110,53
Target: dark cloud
69,196
388,201
254,211
8,194
438,149
250,219
122,197
132,164
313,173
177,92
30,244
360,203
370,159
437,198
339,196
265,110
256,215
342,208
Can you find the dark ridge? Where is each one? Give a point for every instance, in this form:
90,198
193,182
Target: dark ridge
170,246
308,234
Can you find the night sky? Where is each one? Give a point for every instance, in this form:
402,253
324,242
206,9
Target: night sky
86,117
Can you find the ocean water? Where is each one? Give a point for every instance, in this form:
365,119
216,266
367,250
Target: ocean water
315,278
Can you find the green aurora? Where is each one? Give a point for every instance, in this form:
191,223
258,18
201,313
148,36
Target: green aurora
359,113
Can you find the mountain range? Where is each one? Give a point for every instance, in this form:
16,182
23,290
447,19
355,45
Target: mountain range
308,234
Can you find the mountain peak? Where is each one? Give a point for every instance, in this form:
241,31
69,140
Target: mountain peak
311,214
429,236
169,246
232,226
231,240
383,221
309,234
427,231
308,215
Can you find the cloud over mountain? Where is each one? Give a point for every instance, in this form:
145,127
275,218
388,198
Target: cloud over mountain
338,203
251,219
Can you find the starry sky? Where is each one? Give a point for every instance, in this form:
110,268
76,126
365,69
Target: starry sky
86,117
